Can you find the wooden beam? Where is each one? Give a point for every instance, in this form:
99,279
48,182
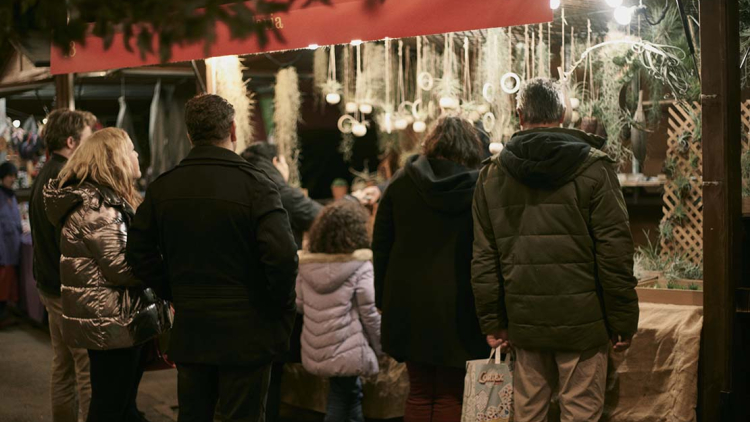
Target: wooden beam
722,224
64,94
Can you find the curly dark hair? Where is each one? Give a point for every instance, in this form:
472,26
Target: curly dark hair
455,139
208,119
341,228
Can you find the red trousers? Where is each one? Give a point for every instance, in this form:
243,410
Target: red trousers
436,393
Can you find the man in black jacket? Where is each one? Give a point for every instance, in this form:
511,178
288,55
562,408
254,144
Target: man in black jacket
63,133
301,209
213,236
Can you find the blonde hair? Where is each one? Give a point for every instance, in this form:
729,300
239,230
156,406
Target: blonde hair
103,159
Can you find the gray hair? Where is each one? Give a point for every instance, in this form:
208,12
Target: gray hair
540,100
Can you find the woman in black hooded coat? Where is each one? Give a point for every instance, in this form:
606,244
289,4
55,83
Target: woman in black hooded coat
422,244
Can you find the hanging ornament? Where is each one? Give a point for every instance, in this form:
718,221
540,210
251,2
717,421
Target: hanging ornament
346,123
449,87
510,89
388,106
488,92
575,103
401,123
359,129
351,107
365,108
419,126
333,98
488,121
425,81
332,87
496,148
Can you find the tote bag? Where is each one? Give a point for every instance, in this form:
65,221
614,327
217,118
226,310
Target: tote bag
488,390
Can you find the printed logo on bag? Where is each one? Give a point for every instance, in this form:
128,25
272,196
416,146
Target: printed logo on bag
491,378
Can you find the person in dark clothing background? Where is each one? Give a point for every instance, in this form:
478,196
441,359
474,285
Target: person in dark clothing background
301,209
422,258
553,260
302,213
212,234
64,132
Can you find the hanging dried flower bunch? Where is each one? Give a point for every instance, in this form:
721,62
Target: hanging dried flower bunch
231,85
286,115
320,75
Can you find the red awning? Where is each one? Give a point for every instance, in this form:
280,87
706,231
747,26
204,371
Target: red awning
342,22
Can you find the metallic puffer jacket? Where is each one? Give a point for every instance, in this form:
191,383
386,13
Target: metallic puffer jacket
104,305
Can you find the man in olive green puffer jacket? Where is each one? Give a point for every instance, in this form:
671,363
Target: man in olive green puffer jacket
552,270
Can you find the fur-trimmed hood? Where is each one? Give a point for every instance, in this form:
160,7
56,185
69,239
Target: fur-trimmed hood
327,272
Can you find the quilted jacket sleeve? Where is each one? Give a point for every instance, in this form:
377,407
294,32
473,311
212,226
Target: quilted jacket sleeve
614,254
486,277
106,243
368,313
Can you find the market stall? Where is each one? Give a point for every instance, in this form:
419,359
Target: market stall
629,72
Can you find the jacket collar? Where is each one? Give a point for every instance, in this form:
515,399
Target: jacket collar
212,153
362,255
594,141
58,158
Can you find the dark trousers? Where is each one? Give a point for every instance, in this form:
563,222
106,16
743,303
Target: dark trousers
115,376
344,400
240,392
273,403
435,395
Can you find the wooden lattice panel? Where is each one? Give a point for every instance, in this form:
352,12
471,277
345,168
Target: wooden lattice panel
687,233
745,114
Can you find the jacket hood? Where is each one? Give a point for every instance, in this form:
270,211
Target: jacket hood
60,202
444,185
326,273
549,158
595,141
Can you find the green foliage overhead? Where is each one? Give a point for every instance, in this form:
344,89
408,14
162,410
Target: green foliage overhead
175,21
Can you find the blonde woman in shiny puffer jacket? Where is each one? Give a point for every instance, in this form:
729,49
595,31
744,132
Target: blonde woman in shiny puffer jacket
105,309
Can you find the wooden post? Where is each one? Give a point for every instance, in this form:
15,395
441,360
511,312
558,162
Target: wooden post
64,94
722,224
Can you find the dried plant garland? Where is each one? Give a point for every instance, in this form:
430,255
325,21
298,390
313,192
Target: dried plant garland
320,75
449,87
286,115
231,85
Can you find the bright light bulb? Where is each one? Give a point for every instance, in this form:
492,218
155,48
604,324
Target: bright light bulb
356,42
554,4
333,98
16,123
624,15
614,3
419,126
313,47
44,121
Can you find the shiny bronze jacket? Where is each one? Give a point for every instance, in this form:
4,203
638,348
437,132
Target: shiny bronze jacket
104,305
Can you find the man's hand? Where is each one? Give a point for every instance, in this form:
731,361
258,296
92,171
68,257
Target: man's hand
368,196
620,343
282,166
499,339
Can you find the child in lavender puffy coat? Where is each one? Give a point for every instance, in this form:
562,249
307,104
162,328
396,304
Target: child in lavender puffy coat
335,292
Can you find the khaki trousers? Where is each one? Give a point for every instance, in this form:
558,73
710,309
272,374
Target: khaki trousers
580,379
70,384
